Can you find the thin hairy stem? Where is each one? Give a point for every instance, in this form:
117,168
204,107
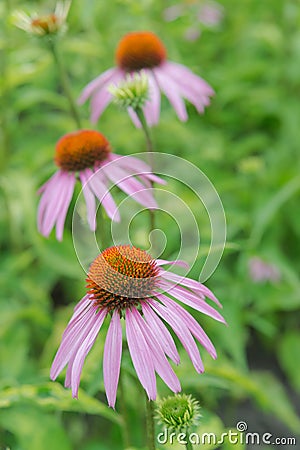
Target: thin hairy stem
64,81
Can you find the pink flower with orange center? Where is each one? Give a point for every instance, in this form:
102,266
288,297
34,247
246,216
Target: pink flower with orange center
86,155
125,283
143,50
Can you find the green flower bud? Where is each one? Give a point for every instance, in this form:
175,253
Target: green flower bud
131,93
178,412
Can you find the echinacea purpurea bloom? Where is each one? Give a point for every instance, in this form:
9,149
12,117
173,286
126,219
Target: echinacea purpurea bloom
126,283
143,50
44,25
86,155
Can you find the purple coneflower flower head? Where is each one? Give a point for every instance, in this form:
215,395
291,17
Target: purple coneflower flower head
143,50
261,271
86,155
125,284
44,25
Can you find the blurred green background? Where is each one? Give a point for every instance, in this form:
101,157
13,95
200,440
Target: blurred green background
246,143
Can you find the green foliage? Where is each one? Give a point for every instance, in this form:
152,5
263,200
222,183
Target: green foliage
246,143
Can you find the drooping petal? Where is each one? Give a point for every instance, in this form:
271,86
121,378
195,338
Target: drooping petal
112,359
169,87
90,201
192,284
103,97
135,166
64,208
140,355
102,193
152,106
182,332
186,77
130,186
159,328
161,364
76,329
96,84
46,191
193,300
55,202
190,322
134,117
84,350
176,262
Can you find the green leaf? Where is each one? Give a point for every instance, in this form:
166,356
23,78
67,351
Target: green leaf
288,354
34,429
53,397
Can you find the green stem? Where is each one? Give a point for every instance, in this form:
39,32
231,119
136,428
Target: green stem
150,152
150,424
188,444
65,81
149,144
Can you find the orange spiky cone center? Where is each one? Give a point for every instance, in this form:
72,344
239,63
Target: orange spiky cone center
121,277
140,50
81,149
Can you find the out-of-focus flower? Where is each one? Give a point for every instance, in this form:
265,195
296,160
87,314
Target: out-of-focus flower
207,13
42,25
133,92
261,271
86,154
124,282
143,50
179,412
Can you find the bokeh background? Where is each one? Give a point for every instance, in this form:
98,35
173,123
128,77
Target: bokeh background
247,143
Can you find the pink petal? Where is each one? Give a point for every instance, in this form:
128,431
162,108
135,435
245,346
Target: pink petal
103,97
76,329
152,106
55,202
183,75
130,186
177,262
140,355
161,364
46,191
182,332
160,329
191,299
96,84
64,208
112,358
134,117
84,350
169,87
190,322
192,284
135,166
103,194
90,201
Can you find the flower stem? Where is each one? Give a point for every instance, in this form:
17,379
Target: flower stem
188,444
150,424
64,81
150,151
149,144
